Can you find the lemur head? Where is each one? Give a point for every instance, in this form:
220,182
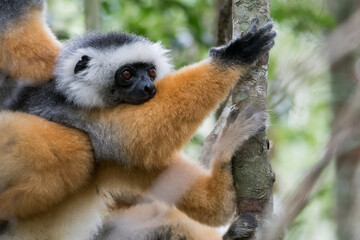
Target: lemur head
106,69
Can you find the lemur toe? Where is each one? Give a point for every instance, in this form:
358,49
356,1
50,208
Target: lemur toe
252,29
242,228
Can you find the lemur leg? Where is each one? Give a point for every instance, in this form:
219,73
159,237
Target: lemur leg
41,163
28,48
154,220
207,197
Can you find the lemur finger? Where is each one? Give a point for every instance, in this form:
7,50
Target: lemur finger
263,43
268,46
266,28
245,50
234,113
252,29
254,43
242,228
262,31
255,22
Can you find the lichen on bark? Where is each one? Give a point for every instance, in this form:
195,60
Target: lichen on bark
253,175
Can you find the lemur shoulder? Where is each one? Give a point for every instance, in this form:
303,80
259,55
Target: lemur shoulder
96,70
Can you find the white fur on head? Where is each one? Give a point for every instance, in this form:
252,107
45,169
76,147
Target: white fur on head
88,88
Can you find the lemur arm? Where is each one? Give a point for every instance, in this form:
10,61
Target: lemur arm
28,48
161,126
146,135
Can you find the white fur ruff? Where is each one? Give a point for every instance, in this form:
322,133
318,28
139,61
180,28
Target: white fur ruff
84,89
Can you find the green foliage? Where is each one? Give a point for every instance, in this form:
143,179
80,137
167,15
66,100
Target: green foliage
178,24
302,16
185,27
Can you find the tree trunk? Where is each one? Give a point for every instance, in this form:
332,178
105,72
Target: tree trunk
252,171
92,15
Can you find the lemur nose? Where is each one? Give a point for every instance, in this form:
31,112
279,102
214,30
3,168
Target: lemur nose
150,89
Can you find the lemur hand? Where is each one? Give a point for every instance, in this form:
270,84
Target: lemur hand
247,48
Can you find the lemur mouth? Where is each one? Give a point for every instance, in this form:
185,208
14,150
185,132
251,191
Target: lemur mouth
143,100
136,101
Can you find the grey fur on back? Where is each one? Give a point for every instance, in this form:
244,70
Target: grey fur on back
101,40
13,10
7,86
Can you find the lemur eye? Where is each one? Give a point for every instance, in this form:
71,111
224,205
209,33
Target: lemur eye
126,74
82,64
152,73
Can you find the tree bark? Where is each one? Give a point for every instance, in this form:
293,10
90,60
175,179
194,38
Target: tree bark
92,15
253,175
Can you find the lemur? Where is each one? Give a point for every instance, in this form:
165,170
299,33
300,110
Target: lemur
97,70
50,183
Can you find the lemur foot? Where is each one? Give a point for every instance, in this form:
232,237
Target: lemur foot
239,127
3,226
248,47
242,228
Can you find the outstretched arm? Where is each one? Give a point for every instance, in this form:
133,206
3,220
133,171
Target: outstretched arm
148,134
159,127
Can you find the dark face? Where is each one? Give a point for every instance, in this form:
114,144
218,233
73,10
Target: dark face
134,83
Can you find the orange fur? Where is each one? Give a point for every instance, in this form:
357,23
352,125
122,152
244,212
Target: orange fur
208,198
156,219
166,122
29,49
41,163
46,170
151,134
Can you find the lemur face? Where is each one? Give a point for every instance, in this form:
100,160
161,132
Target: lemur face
104,70
132,83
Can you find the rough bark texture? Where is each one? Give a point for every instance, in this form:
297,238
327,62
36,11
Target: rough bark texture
92,15
347,164
252,171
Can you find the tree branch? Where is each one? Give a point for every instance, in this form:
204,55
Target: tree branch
92,15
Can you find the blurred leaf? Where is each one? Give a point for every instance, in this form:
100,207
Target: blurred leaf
106,6
302,16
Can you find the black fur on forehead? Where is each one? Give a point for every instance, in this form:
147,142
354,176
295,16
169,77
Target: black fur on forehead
99,40
15,10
